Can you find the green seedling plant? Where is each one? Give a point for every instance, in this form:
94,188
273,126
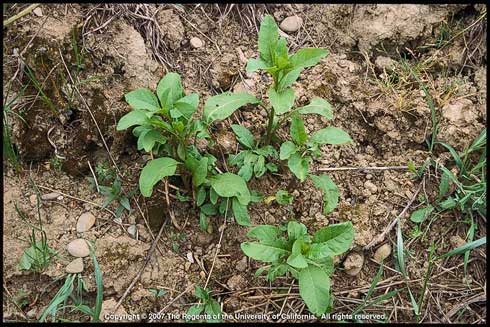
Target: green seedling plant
69,292
114,192
300,150
165,126
469,193
285,69
308,259
38,255
207,307
255,160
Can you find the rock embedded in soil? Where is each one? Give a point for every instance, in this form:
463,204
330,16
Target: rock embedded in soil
353,263
196,43
75,267
85,222
108,308
457,241
242,264
33,199
385,63
50,196
31,314
132,231
236,282
382,252
38,12
291,24
371,187
78,248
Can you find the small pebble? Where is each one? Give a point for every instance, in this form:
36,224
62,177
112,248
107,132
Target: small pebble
370,186
242,264
33,199
190,258
75,267
382,252
291,24
78,248
31,314
196,42
50,196
38,12
85,222
132,231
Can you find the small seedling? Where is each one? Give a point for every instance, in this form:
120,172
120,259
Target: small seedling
68,291
309,260
166,127
157,292
208,308
253,161
38,255
114,193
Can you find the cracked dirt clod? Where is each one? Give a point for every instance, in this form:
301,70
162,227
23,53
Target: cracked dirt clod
353,263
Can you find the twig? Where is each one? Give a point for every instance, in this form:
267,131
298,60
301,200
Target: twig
218,246
140,272
78,199
459,306
381,236
170,212
21,14
363,168
175,299
95,177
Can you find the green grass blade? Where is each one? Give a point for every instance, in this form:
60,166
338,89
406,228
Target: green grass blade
467,247
100,287
60,297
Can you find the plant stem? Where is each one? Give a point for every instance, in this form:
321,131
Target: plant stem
269,127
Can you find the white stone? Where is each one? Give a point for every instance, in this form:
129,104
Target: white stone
75,267
78,248
196,42
291,24
85,222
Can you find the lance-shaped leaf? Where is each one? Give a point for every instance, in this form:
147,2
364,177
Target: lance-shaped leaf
154,171
281,101
169,90
317,106
221,106
268,36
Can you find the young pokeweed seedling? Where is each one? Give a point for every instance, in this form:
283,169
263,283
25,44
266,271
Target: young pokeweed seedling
114,192
254,160
208,307
285,69
165,126
308,259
